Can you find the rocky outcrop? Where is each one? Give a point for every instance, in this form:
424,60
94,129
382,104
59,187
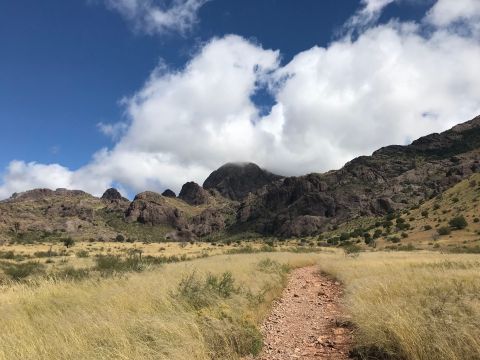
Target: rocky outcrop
113,194
194,194
212,221
236,180
392,178
169,193
43,194
150,208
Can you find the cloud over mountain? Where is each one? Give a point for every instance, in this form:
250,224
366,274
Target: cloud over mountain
390,84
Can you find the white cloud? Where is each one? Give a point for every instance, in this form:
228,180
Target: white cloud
158,17
368,14
447,12
390,85
114,131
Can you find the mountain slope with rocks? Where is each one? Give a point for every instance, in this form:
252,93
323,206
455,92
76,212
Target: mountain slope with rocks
243,197
392,178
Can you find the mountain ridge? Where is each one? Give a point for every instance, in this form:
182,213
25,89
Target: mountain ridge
244,197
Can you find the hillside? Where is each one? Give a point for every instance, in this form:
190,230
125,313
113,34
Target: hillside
391,179
239,198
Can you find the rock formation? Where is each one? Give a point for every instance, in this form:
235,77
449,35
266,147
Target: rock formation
236,180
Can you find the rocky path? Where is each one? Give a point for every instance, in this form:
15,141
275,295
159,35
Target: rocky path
304,323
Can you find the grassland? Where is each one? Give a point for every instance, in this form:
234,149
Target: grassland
417,305
403,305
202,309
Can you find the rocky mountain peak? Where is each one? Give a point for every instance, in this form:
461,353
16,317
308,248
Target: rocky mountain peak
112,194
193,194
169,193
236,180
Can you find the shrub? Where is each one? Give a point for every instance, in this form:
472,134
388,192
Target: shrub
444,230
109,264
82,254
344,236
377,233
119,238
404,235
200,294
68,242
476,220
268,265
394,239
71,273
23,270
458,223
8,255
352,250
427,227
43,254
425,213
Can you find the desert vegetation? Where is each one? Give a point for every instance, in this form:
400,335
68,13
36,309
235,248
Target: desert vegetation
401,305
202,309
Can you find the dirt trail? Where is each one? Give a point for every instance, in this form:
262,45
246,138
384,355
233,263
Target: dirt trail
304,323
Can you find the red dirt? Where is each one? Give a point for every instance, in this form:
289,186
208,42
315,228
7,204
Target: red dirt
304,322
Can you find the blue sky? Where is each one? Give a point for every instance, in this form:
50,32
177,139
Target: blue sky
65,67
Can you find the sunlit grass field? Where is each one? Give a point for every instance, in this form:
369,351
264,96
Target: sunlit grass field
412,305
402,305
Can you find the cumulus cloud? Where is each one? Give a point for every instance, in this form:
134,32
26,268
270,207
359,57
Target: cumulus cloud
389,85
159,16
447,12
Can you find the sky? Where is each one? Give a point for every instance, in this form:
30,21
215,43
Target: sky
149,94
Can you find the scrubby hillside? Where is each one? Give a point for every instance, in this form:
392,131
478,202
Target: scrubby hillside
243,198
393,178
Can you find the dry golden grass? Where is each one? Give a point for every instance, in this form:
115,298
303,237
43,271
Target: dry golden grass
138,316
405,305
418,305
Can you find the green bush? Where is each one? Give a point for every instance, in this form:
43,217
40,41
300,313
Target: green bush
200,293
444,230
458,223
109,264
68,242
71,273
23,270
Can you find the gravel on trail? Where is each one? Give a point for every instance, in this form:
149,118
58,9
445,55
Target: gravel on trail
307,321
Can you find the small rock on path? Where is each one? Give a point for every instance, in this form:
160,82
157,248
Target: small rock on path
304,322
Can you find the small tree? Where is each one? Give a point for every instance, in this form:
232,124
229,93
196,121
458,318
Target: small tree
458,223
444,230
68,242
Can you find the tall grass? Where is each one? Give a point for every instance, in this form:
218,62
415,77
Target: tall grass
146,315
412,306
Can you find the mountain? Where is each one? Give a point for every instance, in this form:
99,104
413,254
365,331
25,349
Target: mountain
392,178
236,180
244,197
